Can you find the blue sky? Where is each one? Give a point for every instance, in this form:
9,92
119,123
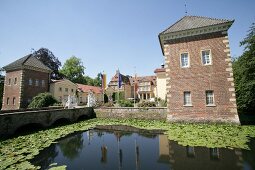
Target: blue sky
108,34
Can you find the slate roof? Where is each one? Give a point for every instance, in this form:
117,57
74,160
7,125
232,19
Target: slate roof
28,60
192,22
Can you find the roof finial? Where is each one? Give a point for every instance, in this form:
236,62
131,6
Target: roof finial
186,12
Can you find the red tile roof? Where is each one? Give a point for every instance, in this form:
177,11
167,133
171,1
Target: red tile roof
87,88
144,79
159,70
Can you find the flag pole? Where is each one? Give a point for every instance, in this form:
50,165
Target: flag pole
118,85
134,85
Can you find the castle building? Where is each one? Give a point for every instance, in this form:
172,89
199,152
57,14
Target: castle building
125,87
25,78
199,76
61,89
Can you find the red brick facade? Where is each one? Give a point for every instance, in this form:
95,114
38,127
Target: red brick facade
30,91
21,93
198,78
12,90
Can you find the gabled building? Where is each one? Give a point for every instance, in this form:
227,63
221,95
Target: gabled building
25,78
61,89
199,76
83,91
146,87
125,85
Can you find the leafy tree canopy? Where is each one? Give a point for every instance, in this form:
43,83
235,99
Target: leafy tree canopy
73,70
42,100
244,74
93,82
48,58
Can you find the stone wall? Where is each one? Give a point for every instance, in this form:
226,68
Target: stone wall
153,113
10,122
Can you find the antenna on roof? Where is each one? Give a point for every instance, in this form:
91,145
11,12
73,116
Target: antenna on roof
186,12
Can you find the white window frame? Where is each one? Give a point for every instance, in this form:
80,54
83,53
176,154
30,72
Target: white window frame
43,83
9,82
184,99
30,82
15,80
206,98
36,82
210,57
186,66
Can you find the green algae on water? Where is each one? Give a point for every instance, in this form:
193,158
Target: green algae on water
15,153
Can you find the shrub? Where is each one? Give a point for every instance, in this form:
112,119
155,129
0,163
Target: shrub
126,103
108,104
42,100
147,104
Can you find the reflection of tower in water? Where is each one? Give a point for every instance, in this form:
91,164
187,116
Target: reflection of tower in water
103,151
137,155
104,154
118,136
187,157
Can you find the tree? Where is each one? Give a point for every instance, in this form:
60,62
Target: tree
93,82
244,74
48,58
73,70
42,100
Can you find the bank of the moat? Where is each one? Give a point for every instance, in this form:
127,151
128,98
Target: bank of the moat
16,153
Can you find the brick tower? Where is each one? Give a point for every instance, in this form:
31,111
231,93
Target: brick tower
200,84
25,78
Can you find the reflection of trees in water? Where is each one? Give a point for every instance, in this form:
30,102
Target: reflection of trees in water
71,146
249,155
46,157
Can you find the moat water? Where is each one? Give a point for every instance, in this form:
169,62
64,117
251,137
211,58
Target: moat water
103,149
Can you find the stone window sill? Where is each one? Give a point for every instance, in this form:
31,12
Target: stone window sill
211,105
188,105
